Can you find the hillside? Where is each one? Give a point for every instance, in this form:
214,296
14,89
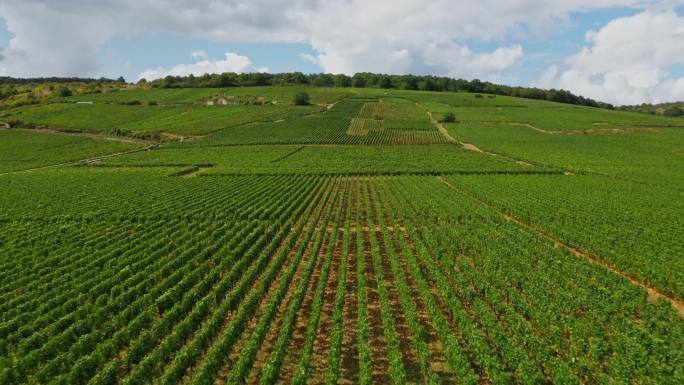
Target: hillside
228,236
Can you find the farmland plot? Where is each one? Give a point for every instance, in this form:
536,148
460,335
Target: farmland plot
315,279
339,244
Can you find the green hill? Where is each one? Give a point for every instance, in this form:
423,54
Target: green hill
226,235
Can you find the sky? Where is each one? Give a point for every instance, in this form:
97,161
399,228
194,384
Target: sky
617,51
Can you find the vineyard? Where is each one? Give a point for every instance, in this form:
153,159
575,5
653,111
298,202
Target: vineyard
357,240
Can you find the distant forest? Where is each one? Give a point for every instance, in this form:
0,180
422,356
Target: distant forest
367,79
665,109
359,80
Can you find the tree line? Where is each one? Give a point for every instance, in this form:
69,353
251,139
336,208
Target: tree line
359,80
367,79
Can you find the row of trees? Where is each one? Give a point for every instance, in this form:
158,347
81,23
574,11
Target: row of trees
666,109
359,80
12,80
366,79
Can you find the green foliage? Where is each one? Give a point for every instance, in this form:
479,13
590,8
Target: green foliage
642,157
21,150
449,117
130,116
674,111
64,92
320,244
301,99
648,231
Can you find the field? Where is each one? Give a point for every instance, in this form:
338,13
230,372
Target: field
356,240
21,150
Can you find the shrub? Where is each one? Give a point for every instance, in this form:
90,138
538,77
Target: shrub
64,92
449,117
301,99
674,111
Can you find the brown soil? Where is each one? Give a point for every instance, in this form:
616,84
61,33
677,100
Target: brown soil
591,131
303,315
439,125
349,370
438,361
453,326
471,147
314,206
321,345
376,340
403,331
83,161
48,130
272,334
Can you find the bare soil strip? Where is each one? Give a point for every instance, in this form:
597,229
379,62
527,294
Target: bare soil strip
318,360
349,370
443,308
439,125
249,329
589,131
653,294
313,208
298,336
402,329
302,317
47,130
464,145
379,358
77,162
438,361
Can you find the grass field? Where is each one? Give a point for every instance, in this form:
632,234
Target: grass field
354,241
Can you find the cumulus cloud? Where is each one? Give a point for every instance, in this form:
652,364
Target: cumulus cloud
395,36
199,55
627,61
232,63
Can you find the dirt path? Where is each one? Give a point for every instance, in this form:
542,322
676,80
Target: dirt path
439,125
466,146
47,130
653,294
588,131
77,162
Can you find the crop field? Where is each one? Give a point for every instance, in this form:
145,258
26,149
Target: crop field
356,240
21,150
654,156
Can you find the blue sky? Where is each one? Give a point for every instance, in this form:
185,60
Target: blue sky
5,34
523,42
130,56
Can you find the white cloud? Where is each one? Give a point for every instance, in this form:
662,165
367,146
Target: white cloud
199,55
398,36
232,63
627,61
